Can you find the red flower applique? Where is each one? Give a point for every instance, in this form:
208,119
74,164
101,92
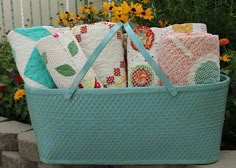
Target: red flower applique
110,80
97,84
119,36
80,86
84,29
105,23
142,76
146,36
55,35
111,25
117,71
122,64
78,37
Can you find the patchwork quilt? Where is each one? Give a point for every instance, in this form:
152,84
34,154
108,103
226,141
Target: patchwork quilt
27,58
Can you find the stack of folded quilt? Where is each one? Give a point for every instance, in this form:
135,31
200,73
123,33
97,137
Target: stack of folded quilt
48,57
185,52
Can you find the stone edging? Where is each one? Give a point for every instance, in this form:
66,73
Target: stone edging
19,150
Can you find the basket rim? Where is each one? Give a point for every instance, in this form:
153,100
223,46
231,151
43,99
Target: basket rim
133,162
225,80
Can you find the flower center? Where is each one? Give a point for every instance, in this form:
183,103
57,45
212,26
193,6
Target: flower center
133,10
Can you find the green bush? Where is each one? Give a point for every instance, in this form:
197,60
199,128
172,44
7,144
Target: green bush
12,107
218,15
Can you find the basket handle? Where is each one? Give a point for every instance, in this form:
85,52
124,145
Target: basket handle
91,60
171,89
169,86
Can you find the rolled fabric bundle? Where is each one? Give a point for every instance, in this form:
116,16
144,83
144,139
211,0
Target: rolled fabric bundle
110,65
190,58
28,61
140,74
64,59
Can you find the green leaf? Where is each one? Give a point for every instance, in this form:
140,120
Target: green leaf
44,57
73,48
5,79
65,70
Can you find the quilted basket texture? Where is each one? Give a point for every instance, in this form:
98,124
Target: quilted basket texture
137,125
129,125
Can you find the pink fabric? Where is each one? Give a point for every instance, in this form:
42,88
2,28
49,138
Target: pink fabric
174,60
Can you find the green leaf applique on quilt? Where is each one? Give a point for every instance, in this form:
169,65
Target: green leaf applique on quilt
36,70
45,58
65,70
73,48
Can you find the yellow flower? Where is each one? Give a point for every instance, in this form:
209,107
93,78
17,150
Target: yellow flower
119,11
70,14
147,14
145,1
225,58
57,21
62,15
74,20
19,94
125,7
108,7
93,8
163,23
120,18
66,15
85,9
136,9
78,17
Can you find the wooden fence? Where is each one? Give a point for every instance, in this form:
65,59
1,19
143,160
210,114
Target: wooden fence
28,13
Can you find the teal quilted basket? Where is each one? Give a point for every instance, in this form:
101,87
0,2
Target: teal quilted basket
146,125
